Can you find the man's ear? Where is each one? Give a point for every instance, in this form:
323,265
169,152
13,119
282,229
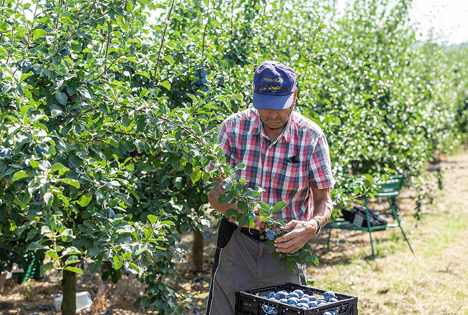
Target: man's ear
295,96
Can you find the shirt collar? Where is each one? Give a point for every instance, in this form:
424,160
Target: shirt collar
257,128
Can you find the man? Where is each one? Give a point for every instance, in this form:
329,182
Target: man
287,155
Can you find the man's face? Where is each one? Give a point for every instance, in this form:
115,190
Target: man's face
275,119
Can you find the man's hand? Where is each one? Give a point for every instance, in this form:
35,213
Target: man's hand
302,232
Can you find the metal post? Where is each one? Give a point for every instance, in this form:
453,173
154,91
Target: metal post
369,229
399,224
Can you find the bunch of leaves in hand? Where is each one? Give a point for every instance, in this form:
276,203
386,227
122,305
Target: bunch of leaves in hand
236,191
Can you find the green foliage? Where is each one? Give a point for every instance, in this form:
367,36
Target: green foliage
110,105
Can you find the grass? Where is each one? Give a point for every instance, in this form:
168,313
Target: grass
432,281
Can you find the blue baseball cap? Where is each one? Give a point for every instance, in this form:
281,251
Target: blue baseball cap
274,86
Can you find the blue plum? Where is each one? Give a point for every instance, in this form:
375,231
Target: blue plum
271,235
110,213
304,300
40,151
271,294
64,52
328,295
300,293
203,73
252,215
303,305
293,295
281,295
293,301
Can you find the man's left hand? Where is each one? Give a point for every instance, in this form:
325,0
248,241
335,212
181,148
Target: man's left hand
302,232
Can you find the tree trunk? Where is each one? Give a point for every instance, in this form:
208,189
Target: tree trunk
197,250
69,293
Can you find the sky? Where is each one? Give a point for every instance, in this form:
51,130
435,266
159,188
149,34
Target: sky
448,18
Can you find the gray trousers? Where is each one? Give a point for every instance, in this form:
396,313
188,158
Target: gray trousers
242,263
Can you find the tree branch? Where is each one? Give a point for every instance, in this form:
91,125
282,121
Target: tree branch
162,42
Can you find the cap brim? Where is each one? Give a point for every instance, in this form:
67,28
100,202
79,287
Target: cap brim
261,101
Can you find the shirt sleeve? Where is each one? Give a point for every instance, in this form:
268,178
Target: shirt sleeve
224,142
320,174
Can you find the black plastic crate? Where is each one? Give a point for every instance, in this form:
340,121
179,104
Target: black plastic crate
357,216
249,303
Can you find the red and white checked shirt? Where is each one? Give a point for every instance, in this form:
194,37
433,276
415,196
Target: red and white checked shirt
243,140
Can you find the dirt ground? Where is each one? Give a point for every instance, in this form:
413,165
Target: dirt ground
433,280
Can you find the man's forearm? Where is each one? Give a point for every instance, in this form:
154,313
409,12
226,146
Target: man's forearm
323,206
323,210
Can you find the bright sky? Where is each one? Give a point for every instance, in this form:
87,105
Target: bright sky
448,18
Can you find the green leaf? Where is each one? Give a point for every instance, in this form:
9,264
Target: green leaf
71,251
74,269
85,199
236,97
251,221
271,248
230,212
169,59
71,182
240,166
282,263
61,98
152,218
19,175
46,267
93,267
60,168
224,199
166,84
278,207
291,266
38,33
144,74
243,206
52,254
72,260
24,110
67,232
35,246
179,309
315,260
195,176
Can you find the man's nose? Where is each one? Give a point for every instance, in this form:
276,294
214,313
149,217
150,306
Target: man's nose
273,114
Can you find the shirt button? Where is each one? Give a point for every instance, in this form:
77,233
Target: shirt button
262,237
266,168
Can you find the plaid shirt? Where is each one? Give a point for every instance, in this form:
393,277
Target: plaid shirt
286,168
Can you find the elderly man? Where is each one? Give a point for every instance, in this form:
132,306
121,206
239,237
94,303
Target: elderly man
286,154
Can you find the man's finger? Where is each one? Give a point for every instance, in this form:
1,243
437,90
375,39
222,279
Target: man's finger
289,225
291,235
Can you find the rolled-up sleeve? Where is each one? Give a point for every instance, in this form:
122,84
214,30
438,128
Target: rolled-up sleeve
320,174
224,142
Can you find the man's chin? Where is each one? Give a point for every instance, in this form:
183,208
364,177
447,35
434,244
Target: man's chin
276,126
